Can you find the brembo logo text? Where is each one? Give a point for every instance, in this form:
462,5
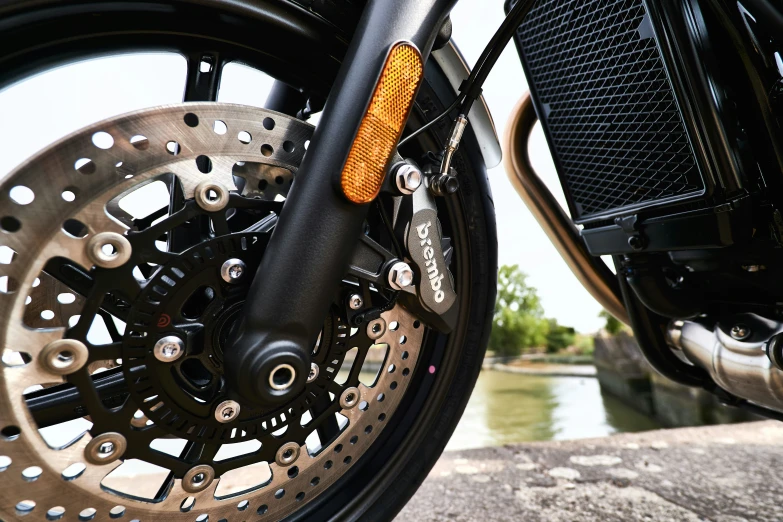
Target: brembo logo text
429,256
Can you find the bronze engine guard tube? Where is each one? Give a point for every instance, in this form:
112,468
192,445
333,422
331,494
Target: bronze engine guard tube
310,249
590,271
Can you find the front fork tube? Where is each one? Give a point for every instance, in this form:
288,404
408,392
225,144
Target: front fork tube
312,244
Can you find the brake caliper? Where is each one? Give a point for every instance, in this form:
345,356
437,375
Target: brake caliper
416,222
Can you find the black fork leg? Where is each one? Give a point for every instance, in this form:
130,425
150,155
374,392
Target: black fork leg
312,244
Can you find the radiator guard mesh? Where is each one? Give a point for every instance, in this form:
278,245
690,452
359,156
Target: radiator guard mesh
607,105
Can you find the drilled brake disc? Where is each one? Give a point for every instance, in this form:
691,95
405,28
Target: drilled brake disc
76,251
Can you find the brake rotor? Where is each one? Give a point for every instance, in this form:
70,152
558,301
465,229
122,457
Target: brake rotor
73,252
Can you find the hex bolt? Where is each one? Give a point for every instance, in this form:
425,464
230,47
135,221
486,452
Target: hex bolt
227,411
168,349
740,332
408,178
400,276
313,375
355,301
232,270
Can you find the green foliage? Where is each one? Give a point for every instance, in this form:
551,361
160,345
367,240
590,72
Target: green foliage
559,337
518,321
613,326
584,344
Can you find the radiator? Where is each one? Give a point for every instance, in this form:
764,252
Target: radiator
607,106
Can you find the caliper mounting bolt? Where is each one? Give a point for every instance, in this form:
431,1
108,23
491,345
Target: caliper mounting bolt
408,178
400,275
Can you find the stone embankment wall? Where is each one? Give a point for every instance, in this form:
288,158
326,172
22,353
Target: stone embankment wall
623,372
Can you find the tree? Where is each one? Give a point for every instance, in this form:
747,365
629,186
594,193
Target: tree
559,337
518,321
613,326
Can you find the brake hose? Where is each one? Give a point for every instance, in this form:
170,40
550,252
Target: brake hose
470,89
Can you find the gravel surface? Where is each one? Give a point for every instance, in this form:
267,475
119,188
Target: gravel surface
728,473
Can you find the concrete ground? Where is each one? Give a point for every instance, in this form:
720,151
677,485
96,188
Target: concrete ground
728,473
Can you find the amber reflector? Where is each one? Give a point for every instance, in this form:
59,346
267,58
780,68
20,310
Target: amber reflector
382,124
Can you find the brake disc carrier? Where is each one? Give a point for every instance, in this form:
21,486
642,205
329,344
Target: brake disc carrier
72,253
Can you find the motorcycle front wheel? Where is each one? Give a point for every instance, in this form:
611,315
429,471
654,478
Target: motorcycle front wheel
357,449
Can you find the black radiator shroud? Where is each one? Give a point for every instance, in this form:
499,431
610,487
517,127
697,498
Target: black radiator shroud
607,106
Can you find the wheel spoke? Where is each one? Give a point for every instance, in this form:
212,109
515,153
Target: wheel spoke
203,80
327,428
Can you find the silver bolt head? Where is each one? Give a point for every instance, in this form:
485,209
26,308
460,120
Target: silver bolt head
408,178
227,411
232,270
400,276
313,375
355,301
740,332
169,348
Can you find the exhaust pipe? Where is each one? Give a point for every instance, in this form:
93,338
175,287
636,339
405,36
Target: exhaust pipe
735,354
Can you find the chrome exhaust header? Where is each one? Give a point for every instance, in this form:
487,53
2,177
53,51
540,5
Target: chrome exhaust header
735,354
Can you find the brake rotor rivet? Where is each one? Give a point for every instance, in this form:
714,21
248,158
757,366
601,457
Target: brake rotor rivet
313,375
211,196
740,332
232,270
108,250
198,478
350,398
105,448
287,454
227,411
169,348
355,301
63,356
400,276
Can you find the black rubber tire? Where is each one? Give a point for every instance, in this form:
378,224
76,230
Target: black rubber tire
387,476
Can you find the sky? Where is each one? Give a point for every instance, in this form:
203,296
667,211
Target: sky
46,107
